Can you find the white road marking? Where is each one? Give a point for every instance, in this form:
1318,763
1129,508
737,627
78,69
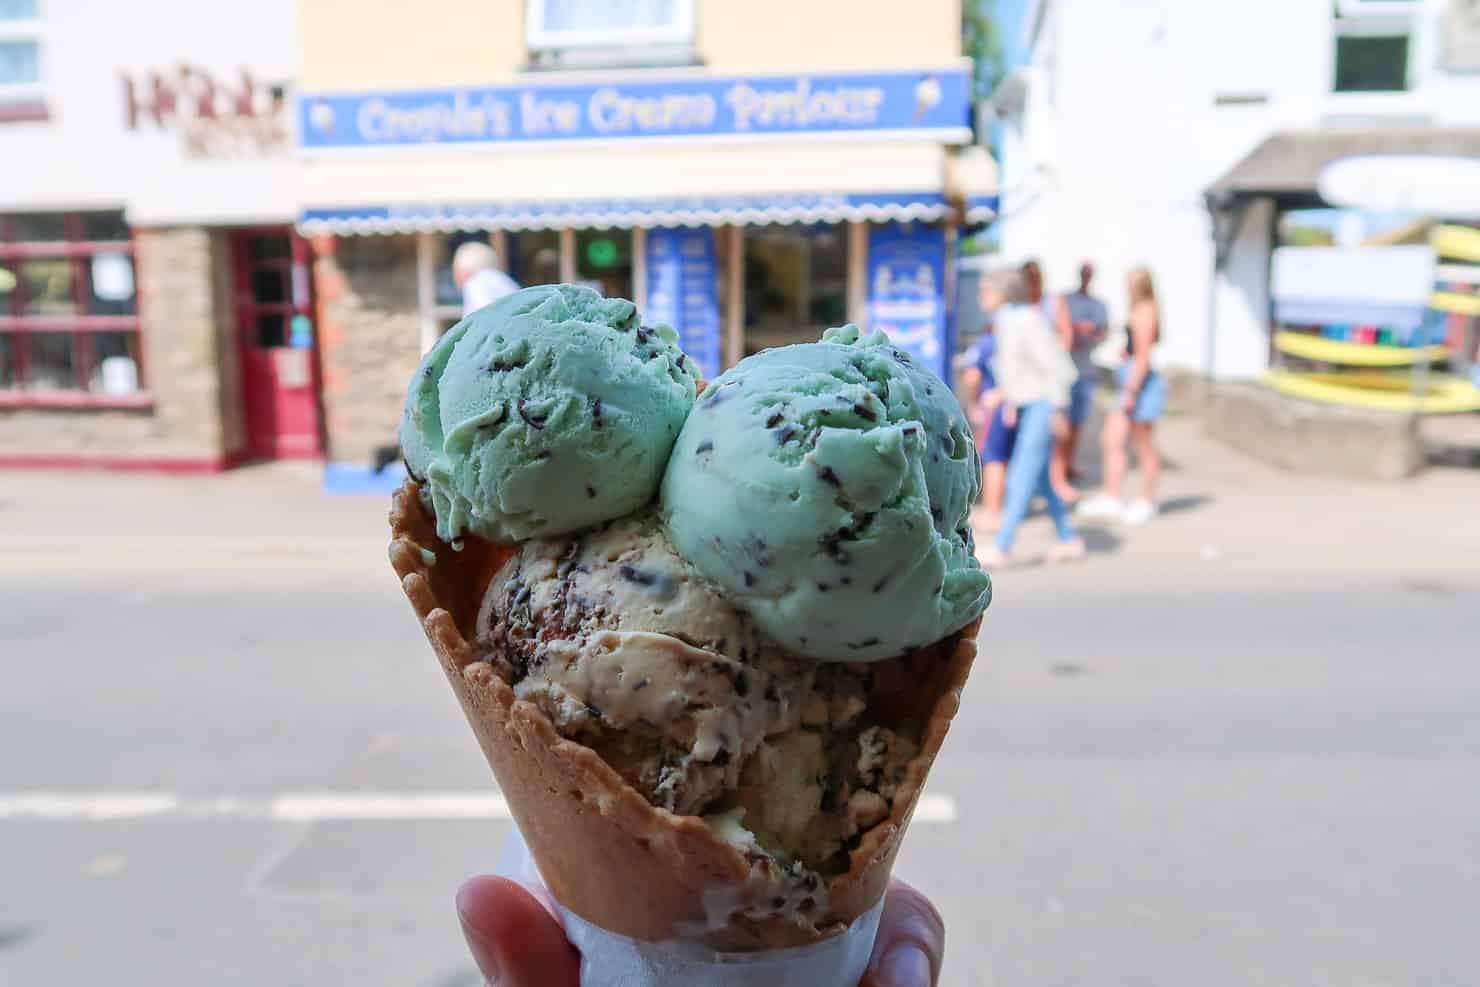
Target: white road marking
307,806
358,806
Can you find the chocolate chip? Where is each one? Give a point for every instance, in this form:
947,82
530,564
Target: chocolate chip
706,446
742,682
543,455
412,473
590,491
749,579
643,333
865,412
596,413
778,903
785,435
593,709
775,420
682,359
721,757
634,575
829,476
534,421
879,586
866,643
910,431
642,685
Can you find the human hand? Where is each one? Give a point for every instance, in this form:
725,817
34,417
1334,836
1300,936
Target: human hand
517,942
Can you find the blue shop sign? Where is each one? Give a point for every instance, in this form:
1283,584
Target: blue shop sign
927,103
906,290
682,291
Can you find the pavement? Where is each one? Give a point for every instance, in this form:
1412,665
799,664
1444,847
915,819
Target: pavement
1237,747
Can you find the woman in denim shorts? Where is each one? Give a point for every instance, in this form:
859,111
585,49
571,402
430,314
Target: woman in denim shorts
1139,405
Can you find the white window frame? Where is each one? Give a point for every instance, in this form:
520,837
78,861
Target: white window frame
1378,8
27,30
538,37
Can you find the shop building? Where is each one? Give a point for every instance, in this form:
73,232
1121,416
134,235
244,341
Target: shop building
1198,149
155,302
748,173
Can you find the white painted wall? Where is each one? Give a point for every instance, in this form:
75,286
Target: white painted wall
1122,132
84,157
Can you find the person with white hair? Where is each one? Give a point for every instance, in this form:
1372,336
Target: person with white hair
476,272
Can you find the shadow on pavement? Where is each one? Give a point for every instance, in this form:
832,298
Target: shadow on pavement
1177,505
1100,541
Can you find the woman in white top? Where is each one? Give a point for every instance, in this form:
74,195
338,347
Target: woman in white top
1034,375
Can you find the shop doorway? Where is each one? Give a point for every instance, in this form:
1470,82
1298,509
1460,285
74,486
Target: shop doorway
796,283
278,354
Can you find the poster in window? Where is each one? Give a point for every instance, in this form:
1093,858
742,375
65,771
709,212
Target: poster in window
112,277
906,290
682,291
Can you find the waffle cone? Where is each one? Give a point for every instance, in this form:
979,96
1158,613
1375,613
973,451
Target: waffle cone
603,850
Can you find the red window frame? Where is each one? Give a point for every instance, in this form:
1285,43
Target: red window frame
21,328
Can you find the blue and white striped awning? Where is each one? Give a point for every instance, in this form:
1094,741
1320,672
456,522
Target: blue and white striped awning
718,210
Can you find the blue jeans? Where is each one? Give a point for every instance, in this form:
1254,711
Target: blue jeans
1027,474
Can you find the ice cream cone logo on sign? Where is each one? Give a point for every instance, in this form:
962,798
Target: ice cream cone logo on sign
927,96
321,115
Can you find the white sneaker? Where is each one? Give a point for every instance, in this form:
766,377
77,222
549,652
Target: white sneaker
1139,513
1100,506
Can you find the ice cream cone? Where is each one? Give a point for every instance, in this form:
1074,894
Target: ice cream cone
604,852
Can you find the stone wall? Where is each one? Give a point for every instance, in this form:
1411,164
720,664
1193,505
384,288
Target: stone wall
369,339
181,322
1308,437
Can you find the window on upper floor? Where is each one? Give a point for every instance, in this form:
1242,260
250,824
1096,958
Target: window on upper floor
20,58
1373,39
645,30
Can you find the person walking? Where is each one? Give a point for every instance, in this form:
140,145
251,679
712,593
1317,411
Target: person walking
476,273
993,437
1139,406
1082,322
1034,374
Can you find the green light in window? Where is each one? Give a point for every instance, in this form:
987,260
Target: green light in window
601,253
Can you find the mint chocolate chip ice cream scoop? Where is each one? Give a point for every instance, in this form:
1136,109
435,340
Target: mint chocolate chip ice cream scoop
826,488
551,410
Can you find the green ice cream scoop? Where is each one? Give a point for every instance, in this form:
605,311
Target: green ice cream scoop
551,410
827,488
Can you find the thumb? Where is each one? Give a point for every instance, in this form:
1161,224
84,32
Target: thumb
514,940
911,943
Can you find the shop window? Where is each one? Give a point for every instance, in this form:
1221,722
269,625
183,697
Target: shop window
69,327
534,257
563,25
1372,42
796,283
604,261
